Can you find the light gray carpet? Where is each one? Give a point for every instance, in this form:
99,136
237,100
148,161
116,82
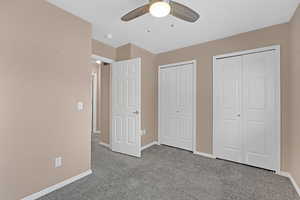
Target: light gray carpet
165,173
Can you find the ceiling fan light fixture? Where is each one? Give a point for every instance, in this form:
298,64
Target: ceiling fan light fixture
160,9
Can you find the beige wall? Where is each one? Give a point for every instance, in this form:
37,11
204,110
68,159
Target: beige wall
101,49
105,104
123,52
293,156
44,71
203,53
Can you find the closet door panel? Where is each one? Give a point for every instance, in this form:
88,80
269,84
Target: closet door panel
258,109
168,98
227,93
185,95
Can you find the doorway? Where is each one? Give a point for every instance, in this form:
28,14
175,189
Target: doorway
95,95
117,112
100,98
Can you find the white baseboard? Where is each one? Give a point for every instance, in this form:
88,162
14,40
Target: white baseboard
57,186
105,145
143,148
288,175
149,145
207,155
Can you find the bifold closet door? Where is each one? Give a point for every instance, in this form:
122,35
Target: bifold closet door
229,139
259,108
176,106
245,112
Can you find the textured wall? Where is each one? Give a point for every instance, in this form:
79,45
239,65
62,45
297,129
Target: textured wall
105,104
101,49
294,99
44,72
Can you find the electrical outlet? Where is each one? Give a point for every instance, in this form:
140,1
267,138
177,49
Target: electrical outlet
58,162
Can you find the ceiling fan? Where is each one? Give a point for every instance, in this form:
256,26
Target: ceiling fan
162,8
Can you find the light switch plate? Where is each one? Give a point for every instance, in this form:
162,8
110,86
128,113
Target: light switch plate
80,106
58,162
143,132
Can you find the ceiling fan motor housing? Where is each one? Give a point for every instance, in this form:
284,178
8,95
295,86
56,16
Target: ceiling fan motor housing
153,1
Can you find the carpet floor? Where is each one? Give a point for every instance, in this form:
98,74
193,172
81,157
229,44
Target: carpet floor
165,173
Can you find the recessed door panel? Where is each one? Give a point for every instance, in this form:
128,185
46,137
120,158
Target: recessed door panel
131,126
118,129
259,107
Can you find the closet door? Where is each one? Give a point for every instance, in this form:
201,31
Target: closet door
246,109
228,138
185,97
259,72
176,106
168,107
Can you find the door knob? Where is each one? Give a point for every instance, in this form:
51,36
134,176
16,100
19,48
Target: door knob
238,115
136,112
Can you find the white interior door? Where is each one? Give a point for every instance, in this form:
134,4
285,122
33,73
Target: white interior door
246,109
259,108
126,107
227,89
177,98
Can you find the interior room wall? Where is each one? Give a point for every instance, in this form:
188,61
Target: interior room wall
123,52
203,54
293,153
44,71
105,114
101,49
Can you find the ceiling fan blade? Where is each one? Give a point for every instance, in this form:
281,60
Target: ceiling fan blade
183,12
136,13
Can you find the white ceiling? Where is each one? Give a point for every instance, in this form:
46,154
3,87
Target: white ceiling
219,19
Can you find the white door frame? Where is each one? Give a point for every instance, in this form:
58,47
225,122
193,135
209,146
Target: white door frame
94,102
194,62
277,101
102,59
